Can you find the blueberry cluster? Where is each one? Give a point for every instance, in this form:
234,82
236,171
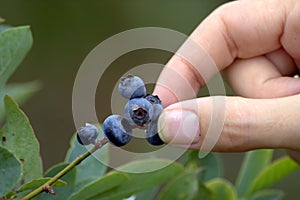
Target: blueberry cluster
141,111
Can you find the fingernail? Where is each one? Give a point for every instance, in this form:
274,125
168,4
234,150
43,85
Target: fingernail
179,127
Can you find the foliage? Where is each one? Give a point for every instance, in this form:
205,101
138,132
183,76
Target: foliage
21,168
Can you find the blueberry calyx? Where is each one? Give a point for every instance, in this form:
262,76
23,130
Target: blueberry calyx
137,111
153,99
139,114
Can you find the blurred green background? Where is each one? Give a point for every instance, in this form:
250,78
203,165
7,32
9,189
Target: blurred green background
66,31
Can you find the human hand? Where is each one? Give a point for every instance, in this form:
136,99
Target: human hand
256,45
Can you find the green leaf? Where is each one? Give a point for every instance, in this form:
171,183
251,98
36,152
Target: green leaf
254,162
211,165
204,193
20,139
222,188
142,181
147,194
38,182
184,187
61,192
10,171
14,45
149,166
268,195
4,27
97,187
92,167
20,92
273,173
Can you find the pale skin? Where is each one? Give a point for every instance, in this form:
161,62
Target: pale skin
256,45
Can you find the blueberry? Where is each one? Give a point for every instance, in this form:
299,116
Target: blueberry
132,87
155,111
117,130
137,111
156,106
152,134
153,99
87,135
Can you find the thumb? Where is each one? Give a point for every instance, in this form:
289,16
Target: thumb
232,123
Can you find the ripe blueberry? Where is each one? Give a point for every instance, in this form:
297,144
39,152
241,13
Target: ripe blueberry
152,134
156,106
155,111
153,99
132,87
87,135
137,111
117,130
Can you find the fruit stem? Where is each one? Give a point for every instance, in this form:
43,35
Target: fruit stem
70,166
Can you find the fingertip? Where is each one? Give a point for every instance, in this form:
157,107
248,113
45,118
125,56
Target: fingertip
180,127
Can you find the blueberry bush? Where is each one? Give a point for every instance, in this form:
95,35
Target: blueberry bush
81,176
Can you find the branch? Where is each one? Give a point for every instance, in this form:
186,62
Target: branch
70,166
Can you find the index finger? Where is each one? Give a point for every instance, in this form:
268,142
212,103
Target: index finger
240,29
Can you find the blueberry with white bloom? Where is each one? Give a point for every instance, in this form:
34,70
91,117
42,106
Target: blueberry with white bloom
152,134
117,130
132,87
87,135
137,111
157,107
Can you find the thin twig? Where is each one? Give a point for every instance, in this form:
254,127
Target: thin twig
70,166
